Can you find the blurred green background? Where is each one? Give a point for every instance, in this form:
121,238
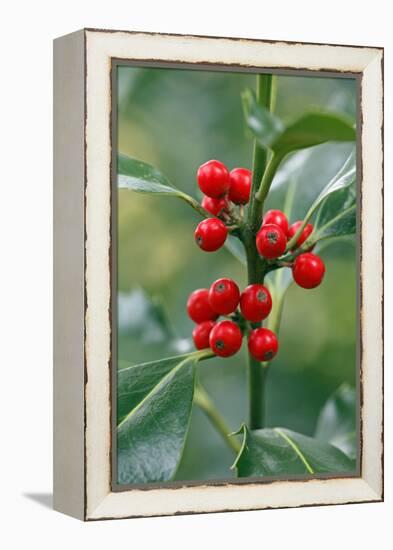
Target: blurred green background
176,120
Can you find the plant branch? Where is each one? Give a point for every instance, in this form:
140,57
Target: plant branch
267,179
266,93
256,388
204,402
257,267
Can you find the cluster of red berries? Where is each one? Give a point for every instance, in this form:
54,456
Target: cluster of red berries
204,306
307,269
220,188
223,189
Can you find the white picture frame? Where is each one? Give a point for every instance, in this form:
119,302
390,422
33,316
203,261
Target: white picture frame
83,256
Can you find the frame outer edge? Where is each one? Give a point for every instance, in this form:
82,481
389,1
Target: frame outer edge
101,502
68,298
372,274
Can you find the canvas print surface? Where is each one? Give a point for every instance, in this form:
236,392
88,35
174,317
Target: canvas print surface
236,276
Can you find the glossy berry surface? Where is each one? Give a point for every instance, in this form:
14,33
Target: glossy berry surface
201,334
198,306
210,234
271,241
262,344
304,234
214,206
224,296
255,303
213,178
276,217
308,270
240,185
225,338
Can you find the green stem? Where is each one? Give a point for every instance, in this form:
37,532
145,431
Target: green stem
266,87
257,267
256,376
291,243
195,205
256,388
267,179
202,354
203,400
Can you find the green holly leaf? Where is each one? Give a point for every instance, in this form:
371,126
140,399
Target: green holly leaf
281,452
313,129
340,226
151,437
266,127
141,177
338,193
307,131
134,382
335,206
337,421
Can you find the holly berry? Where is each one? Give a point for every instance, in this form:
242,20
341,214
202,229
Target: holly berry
224,296
308,270
214,206
198,306
225,338
213,178
201,334
255,303
262,344
271,241
304,234
210,234
240,185
276,217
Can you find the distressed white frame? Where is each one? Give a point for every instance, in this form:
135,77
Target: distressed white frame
98,499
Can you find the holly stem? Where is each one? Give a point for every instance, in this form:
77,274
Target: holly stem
266,86
263,172
204,402
256,373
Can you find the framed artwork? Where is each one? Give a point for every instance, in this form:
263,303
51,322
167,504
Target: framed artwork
218,341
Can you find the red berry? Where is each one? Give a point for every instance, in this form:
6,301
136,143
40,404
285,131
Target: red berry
211,234
198,307
304,234
214,206
213,178
308,270
201,334
255,303
271,241
224,296
262,344
276,217
225,338
239,191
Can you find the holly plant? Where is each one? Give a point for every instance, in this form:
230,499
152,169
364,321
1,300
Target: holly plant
155,399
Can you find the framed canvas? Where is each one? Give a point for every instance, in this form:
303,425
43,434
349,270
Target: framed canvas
218,266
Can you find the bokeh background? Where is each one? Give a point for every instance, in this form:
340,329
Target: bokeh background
177,119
